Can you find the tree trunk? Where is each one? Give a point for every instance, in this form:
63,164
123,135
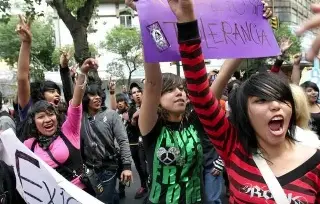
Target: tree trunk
78,29
81,47
129,80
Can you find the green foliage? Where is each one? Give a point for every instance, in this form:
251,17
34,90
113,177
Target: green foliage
123,41
115,69
126,42
284,32
37,71
4,14
74,5
70,48
42,43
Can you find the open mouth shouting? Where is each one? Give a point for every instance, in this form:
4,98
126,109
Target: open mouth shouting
97,102
49,127
276,125
56,101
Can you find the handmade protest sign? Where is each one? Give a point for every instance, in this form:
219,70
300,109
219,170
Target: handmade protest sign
36,181
228,29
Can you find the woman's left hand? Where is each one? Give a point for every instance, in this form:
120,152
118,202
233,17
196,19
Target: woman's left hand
267,13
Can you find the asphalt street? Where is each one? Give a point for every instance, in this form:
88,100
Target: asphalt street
131,191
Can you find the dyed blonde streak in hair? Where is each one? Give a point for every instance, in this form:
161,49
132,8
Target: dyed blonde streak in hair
301,106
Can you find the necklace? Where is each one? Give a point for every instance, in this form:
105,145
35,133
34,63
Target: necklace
177,150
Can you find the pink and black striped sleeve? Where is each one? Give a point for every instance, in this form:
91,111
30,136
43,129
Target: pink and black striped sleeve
222,134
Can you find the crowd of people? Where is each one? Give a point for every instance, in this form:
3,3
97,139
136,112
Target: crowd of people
184,136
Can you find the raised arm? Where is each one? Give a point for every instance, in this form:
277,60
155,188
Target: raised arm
296,73
112,94
276,67
82,81
206,105
151,98
285,44
230,65
221,133
23,29
228,68
66,79
73,122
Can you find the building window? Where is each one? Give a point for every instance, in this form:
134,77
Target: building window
125,19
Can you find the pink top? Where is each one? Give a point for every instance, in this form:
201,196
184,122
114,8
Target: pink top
71,129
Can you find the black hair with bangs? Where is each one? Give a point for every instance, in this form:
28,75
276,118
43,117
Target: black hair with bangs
120,97
169,83
92,89
40,106
264,86
310,84
38,88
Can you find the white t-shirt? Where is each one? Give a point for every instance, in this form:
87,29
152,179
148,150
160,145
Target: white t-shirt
307,137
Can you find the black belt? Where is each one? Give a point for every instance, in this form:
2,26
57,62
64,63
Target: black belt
98,169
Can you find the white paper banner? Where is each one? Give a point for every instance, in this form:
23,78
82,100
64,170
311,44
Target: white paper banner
36,181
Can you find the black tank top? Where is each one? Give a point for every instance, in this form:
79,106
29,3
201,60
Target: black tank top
315,122
73,165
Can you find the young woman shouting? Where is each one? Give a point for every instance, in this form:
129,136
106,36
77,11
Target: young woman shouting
262,124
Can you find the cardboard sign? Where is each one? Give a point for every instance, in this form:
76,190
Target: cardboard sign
36,181
228,29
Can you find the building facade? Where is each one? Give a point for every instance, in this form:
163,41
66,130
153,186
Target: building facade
294,13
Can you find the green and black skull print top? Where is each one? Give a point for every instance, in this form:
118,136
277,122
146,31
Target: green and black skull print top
175,158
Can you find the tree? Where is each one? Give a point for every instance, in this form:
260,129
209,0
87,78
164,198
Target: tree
69,48
76,15
115,69
42,45
36,72
126,43
259,64
284,32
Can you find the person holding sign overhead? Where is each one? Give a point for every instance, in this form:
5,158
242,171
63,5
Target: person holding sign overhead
264,162
172,135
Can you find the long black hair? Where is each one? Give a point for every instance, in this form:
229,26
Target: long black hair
265,86
310,84
38,88
92,89
40,106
